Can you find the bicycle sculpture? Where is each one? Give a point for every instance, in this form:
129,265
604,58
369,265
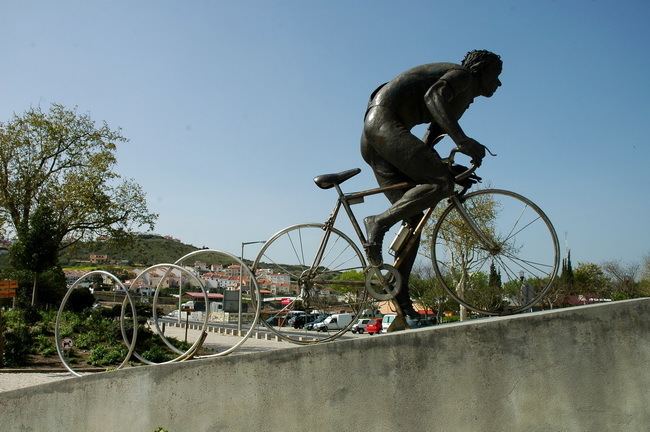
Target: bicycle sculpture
493,251
319,271
488,231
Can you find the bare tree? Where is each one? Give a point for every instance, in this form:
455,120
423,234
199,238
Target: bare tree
623,278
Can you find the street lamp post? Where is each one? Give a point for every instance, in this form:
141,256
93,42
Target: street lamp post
241,279
525,290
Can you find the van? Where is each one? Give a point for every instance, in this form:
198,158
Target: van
334,322
386,322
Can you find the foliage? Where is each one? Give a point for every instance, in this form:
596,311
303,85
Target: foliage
426,290
37,246
97,332
589,278
17,337
494,278
157,354
623,279
144,249
105,355
80,299
43,345
63,158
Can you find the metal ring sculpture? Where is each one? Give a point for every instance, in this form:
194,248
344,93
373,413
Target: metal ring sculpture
182,355
57,331
255,298
195,345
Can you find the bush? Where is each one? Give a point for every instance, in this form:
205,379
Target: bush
43,345
18,340
70,324
157,354
80,299
104,355
51,287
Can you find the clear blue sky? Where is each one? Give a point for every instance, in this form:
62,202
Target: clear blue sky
232,108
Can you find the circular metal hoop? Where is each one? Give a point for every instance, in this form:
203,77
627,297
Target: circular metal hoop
257,297
57,331
196,345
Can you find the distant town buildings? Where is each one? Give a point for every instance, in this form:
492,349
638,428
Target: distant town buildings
215,277
96,258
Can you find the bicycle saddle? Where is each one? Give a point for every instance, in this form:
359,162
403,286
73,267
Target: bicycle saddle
326,181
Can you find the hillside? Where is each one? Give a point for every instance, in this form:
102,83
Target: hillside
145,250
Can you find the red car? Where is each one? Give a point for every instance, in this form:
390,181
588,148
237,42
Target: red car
374,326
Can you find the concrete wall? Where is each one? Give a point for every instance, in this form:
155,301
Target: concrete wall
580,369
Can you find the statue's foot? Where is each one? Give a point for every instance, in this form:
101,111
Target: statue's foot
375,235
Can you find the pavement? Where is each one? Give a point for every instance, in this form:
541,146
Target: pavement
19,378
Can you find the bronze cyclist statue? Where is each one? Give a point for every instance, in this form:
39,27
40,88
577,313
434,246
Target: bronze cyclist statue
437,94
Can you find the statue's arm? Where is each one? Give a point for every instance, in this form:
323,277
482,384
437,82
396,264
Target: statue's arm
438,99
453,86
432,135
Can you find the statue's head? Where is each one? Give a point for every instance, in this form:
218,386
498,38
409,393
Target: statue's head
486,66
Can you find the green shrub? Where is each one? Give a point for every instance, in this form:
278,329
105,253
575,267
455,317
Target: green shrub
18,340
157,354
80,299
43,345
104,355
70,323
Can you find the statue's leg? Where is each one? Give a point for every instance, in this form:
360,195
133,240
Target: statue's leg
407,259
409,205
396,155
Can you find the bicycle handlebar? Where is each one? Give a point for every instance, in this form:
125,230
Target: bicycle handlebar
462,176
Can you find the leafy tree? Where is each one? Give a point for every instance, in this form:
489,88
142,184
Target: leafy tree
37,247
564,284
567,270
426,290
589,278
64,159
494,277
465,253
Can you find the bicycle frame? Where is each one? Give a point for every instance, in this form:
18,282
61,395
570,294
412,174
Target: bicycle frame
347,200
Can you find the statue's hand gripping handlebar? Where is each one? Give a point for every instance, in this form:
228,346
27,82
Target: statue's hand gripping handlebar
450,162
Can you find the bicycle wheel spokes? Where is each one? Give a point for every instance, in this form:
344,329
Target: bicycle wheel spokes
298,284
509,272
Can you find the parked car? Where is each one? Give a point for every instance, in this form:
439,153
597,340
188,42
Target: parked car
297,320
360,325
386,321
374,326
334,322
303,321
282,319
317,319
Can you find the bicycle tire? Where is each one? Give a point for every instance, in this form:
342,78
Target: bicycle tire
525,252
291,252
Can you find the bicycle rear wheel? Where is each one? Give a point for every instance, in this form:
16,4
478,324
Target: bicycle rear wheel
510,272
298,288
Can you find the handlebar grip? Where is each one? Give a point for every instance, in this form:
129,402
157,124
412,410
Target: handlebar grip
464,174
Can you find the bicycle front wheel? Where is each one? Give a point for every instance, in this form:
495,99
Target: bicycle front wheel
506,268
306,273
